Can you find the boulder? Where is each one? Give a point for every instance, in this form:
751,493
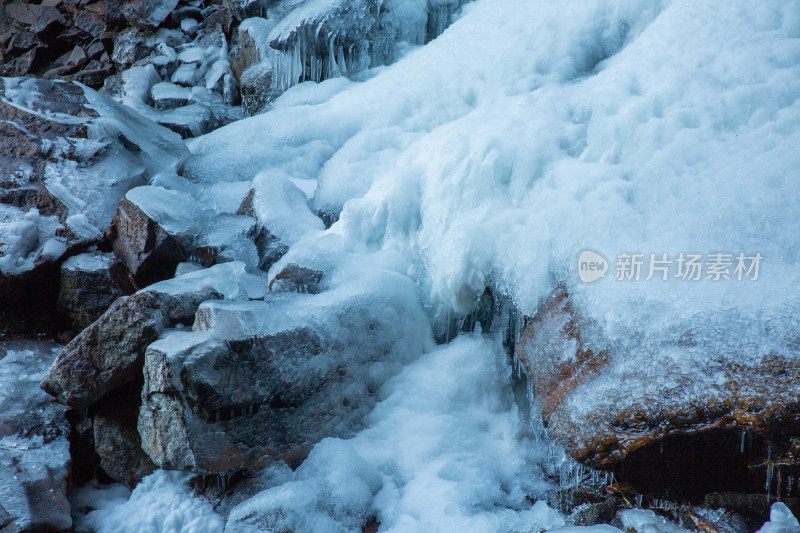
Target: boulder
294,278
109,353
148,251
34,445
168,96
263,381
253,45
704,415
148,14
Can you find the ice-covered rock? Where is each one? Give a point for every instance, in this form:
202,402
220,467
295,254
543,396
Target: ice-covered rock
703,413
68,156
168,96
148,14
110,352
146,232
260,381
90,283
34,445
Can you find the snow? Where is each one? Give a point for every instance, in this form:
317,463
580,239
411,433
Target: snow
27,239
527,133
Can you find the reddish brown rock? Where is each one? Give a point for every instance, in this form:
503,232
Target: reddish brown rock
720,424
109,353
150,253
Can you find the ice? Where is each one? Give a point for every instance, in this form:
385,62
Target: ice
161,502
175,211
230,279
444,451
781,520
522,135
491,157
646,521
27,239
282,207
89,262
137,83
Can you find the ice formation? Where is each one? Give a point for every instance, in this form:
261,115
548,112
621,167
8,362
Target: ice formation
527,132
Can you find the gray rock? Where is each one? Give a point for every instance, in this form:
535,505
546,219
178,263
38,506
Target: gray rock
34,445
109,353
257,87
212,405
148,14
130,46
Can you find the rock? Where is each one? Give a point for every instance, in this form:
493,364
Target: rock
116,438
257,87
90,283
148,14
264,381
252,47
109,353
148,251
34,445
130,46
269,247
669,427
185,75
90,23
49,22
244,9
592,514
294,278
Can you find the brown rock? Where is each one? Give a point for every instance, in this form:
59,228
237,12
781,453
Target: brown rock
109,353
150,253
294,278
88,288
117,440
685,443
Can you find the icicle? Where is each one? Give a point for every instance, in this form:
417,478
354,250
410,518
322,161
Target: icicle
768,486
741,444
778,495
638,500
